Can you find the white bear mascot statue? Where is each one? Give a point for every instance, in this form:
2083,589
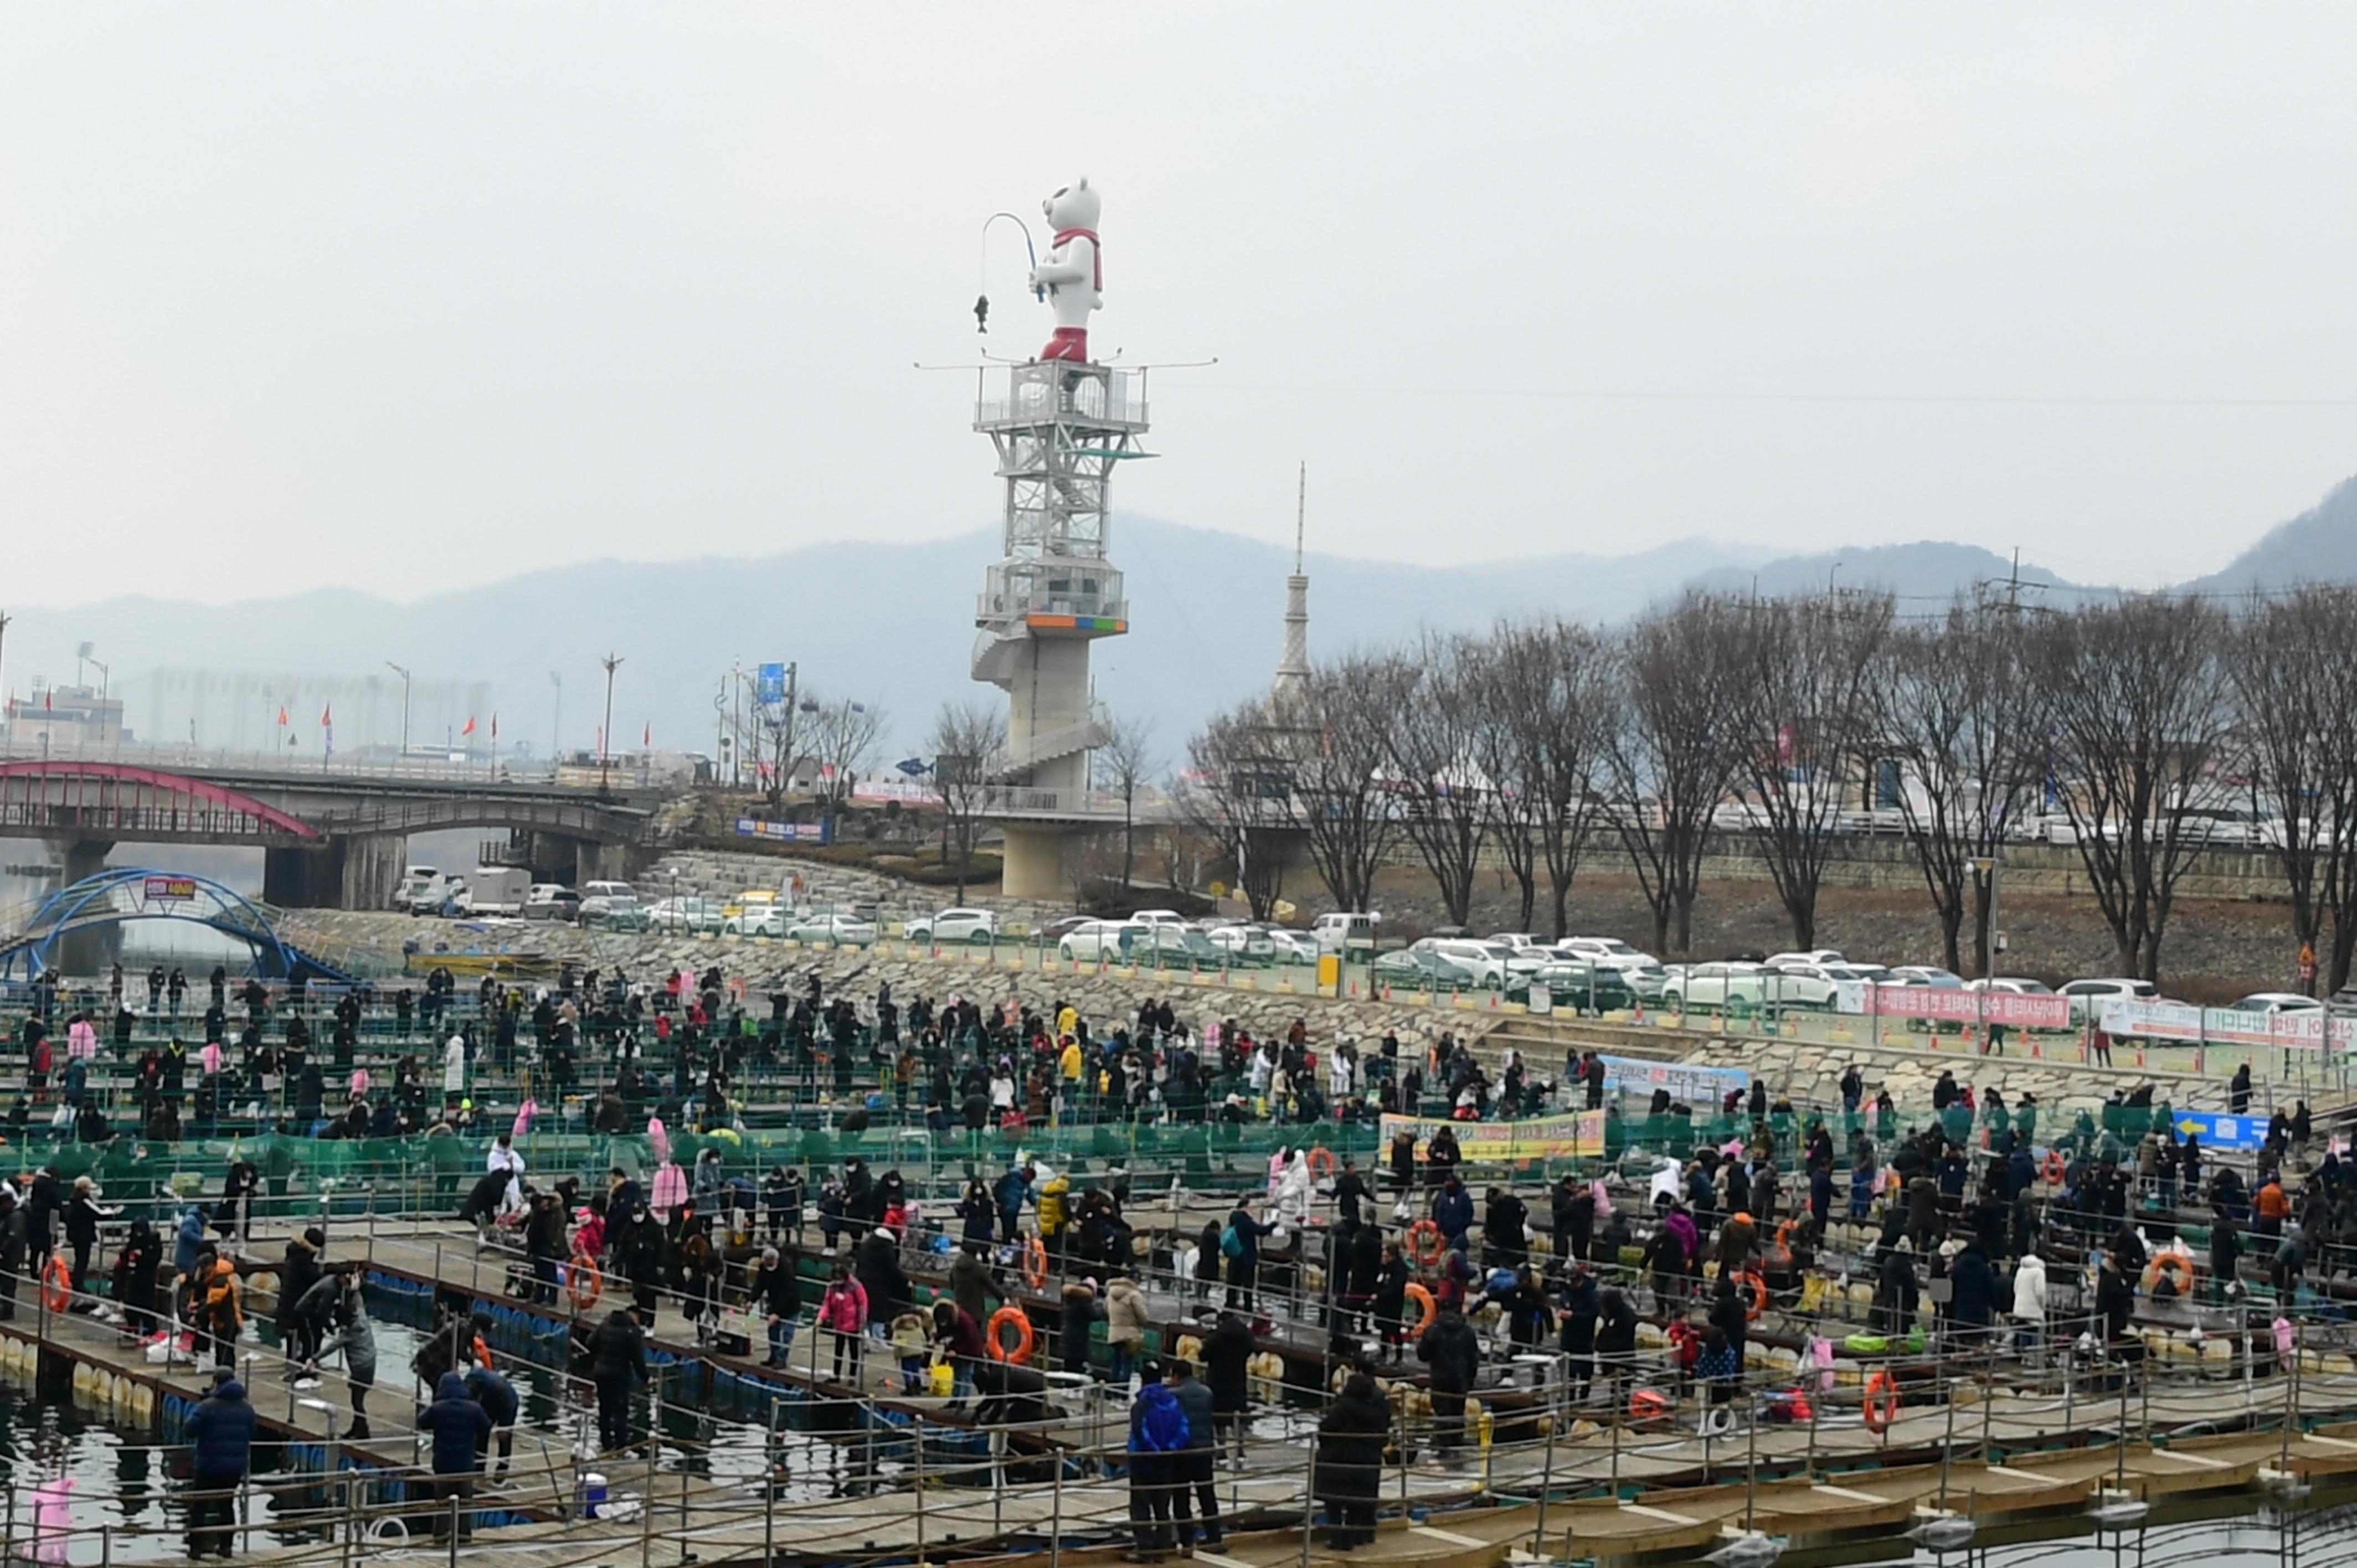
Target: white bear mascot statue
1073,273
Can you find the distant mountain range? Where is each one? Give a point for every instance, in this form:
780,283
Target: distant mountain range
892,624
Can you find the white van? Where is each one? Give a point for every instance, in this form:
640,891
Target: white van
1345,932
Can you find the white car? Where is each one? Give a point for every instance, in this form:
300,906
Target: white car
1294,946
2011,985
954,926
1929,974
757,920
1814,955
1797,985
1490,964
685,913
1241,940
2274,1002
441,895
1705,985
1517,941
1609,952
1097,941
597,898
842,930
2087,995
1158,918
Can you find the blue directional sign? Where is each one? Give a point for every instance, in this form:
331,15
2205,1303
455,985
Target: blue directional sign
769,683
2218,1131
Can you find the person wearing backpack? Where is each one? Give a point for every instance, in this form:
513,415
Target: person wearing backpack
1157,1437
1240,1255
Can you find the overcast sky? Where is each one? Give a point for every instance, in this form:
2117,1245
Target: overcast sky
400,297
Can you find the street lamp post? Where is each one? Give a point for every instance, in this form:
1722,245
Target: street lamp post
404,704
612,662
556,720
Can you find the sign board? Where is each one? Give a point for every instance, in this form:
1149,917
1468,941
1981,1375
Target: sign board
2223,1026
1508,1143
1687,1083
169,890
2219,1130
1953,1006
782,832
769,683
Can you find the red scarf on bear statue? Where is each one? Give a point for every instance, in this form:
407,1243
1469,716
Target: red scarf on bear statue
1096,251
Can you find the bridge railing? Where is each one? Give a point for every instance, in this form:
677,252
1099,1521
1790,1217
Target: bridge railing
19,742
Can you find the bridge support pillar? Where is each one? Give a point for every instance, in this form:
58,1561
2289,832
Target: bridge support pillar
1033,862
607,862
86,951
307,879
371,870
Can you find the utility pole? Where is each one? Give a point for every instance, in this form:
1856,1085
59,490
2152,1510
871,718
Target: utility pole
556,721
605,735
10,714
404,704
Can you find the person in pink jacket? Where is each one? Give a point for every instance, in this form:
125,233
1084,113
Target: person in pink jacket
843,1309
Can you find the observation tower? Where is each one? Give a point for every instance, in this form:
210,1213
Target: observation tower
1060,424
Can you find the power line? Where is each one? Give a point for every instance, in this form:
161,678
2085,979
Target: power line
1603,394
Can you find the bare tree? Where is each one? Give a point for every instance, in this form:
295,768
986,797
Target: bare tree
1449,806
2137,700
1349,813
778,733
1549,698
1123,761
1238,792
1958,713
840,737
1798,718
2298,690
1672,757
965,737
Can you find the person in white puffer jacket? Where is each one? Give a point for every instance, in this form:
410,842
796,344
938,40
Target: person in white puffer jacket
2029,1301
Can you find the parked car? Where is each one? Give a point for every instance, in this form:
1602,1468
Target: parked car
2274,1002
1704,986
757,920
842,930
550,901
440,894
1929,974
1609,951
1490,963
1343,931
2087,995
615,912
1588,986
1058,928
1094,941
1796,983
2010,984
1242,943
416,879
598,900
753,898
1420,969
1814,956
954,926
1158,918
498,890
1294,946
685,913
1516,939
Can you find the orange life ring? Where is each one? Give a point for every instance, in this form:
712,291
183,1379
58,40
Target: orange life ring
2176,1264
482,1353
1024,1339
1759,1302
1416,1292
1035,1264
1649,1405
1785,1233
2055,1170
1321,1162
1881,1405
1426,1256
583,1283
57,1288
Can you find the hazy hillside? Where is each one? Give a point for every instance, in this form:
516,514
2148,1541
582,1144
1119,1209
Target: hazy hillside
893,625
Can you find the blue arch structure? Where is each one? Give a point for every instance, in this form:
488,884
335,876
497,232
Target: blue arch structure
139,892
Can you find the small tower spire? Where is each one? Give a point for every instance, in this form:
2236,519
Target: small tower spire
1293,670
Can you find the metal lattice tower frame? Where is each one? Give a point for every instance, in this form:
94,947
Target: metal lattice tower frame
1060,429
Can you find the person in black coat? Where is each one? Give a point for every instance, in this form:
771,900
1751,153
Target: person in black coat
1972,1295
2226,1253
880,1275
1346,1471
1451,1349
296,1275
639,1254
1897,1294
1580,1310
777,1295
1080,1310
1225,1352
134,1277
617,1361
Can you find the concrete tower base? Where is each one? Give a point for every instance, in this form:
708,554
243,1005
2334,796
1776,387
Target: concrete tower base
1032,865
